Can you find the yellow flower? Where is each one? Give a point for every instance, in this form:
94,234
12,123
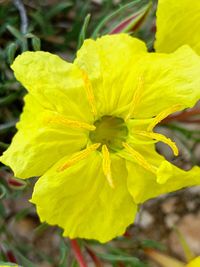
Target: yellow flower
87,130
194,263
178,23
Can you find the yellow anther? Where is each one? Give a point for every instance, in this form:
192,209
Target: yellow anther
58,119
79,156
161,138
136,97
139,158
89,92
106,165
162,115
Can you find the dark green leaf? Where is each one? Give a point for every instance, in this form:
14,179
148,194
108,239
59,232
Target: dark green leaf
16,33
3,191
36,43
119,258
83,31
11,50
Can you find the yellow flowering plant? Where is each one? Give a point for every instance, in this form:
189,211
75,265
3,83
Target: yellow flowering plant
87,130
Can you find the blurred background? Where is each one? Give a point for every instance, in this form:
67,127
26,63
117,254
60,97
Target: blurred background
165,224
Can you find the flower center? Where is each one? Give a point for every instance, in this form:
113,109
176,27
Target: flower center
110,131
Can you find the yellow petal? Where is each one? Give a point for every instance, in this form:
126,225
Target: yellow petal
55,83
110,64
194,263
128,82
80,200
164,172
40,142
178,23
144,185
169,80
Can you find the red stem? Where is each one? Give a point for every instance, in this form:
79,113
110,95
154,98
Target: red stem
77,253
120,264
127,234
94,257
183,116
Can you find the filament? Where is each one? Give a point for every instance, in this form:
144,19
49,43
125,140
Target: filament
79,156
136,97
89,92
58,119
107,165
162,115
159,137
139,158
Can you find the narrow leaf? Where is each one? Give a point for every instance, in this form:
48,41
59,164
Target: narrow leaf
163,260
83,31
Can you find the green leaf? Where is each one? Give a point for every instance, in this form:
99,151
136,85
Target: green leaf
74,264
83,31
22,214
41,228
59,7
25,262
123,11
11,51
132,22
4,101
16,33
116,258
152,244
64,251
3,191
36,43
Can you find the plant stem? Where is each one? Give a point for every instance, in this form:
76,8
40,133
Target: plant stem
183,116
22,12
77,253
94,257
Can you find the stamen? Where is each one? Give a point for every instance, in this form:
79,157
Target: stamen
69,123
89,92
136,97
139,158
162,115
106,165
79,156
159,137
